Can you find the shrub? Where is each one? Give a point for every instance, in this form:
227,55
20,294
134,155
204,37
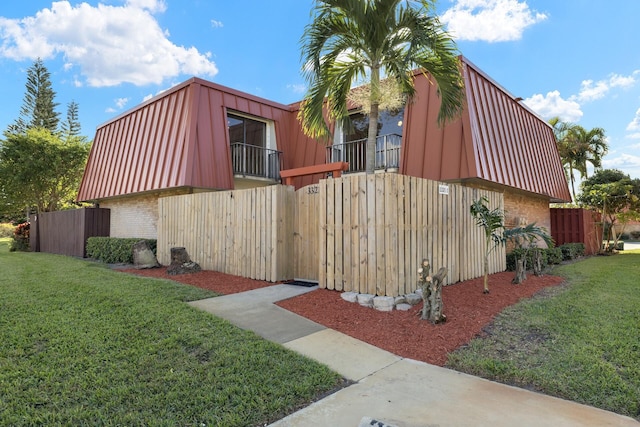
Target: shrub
554,255
20,240
114,250
517,253
572,250
635,234
6,230
624,236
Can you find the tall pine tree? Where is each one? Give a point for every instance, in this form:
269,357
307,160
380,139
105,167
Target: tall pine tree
71,126
38,107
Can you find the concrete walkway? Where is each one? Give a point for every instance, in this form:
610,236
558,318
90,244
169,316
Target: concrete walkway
388,388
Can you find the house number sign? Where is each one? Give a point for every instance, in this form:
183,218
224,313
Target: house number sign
443,189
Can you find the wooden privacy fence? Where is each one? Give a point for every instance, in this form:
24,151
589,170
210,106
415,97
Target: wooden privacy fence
66,232
375,229
360,233
576,225
247,233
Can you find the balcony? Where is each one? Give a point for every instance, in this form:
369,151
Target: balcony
354,153
251,161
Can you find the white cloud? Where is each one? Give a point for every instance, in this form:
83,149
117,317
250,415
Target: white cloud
121,102
634,136
297,88
110,110
635,123
628,163
552,105
109,44
153,6
591,91
216,24
490,20
147,97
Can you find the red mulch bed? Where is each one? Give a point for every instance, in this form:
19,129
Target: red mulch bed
467,309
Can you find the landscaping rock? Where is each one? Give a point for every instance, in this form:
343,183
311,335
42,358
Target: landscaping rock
143,256
349,296
414,298
401,299
403,307
384,303
365,300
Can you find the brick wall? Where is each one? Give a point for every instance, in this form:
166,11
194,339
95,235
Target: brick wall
523,209
133,216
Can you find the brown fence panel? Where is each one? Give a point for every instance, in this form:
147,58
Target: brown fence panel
66,232
375,229
576,225
247,233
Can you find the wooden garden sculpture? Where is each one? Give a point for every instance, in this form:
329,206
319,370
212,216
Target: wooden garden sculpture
432,308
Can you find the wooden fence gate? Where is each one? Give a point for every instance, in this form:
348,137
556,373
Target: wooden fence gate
306,233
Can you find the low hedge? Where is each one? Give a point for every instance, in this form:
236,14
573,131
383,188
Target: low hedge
572,250
114,250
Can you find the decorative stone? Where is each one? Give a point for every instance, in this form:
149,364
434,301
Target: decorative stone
414,298
384,303
401,299
143,256
403,307
365,300
349,296
419,293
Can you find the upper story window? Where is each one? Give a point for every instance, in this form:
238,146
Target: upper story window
244,130
389,123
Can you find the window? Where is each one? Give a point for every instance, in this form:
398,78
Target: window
246,131
389,123
251,153
350,143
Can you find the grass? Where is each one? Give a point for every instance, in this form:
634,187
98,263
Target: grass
579,342
83,345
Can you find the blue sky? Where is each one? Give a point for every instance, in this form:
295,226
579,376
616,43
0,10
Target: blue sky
577,59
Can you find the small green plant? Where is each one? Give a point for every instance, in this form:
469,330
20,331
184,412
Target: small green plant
491,221
114,250
526,238
20,240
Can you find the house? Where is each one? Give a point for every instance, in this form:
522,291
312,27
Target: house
200,136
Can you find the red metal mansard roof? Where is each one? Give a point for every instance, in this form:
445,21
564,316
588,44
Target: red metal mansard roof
497,139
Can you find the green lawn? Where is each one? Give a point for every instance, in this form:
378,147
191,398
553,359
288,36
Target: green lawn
580,342
83,345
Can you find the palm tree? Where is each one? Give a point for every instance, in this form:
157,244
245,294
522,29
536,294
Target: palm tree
492,223
352,40
593,143
577,147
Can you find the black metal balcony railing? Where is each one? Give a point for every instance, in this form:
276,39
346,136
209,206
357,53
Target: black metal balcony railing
254,161
354,152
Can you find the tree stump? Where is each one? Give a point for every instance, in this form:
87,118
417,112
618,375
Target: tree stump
181,263
432,306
